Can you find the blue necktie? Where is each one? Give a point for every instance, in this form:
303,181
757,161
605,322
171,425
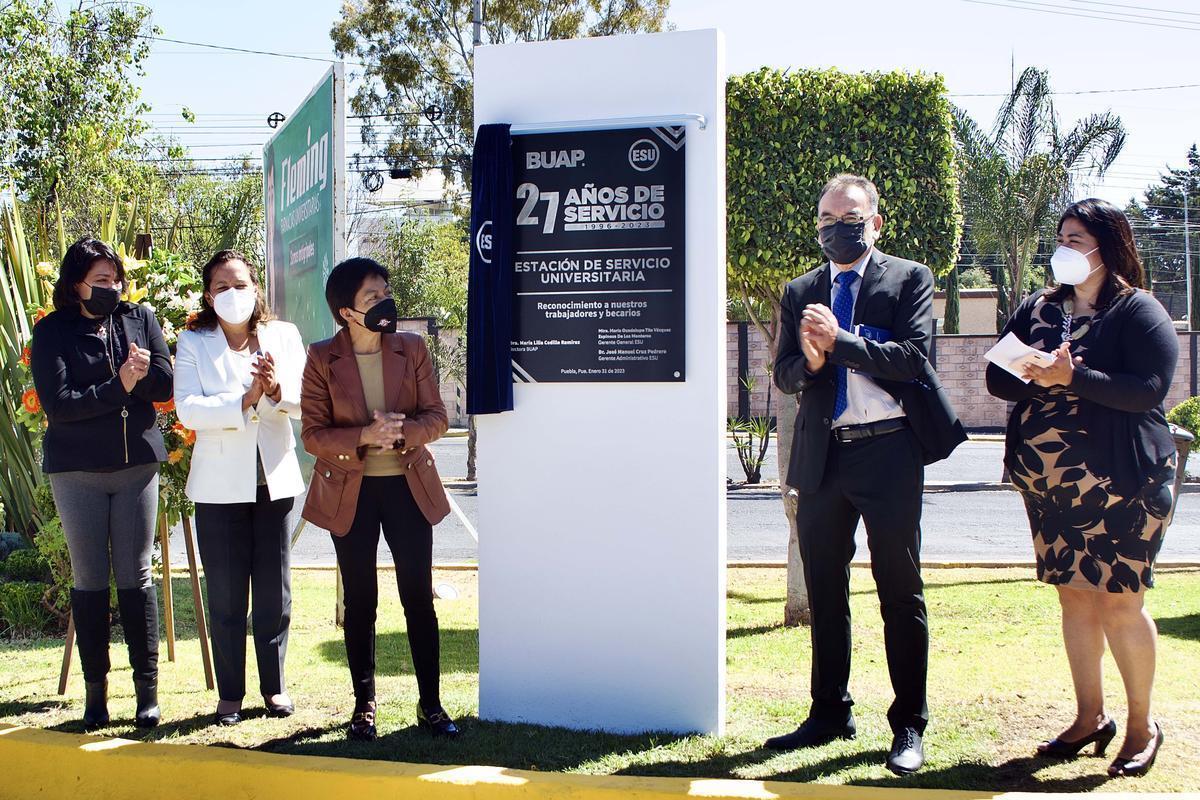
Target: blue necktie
843,309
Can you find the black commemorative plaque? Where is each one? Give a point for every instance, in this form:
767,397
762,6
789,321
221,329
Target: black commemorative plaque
598,262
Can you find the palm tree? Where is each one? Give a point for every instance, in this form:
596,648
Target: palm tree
1015,179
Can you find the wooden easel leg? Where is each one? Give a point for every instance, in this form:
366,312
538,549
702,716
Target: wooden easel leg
198,601
164,541
339,611
68,646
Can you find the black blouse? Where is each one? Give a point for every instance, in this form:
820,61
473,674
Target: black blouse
1128,367
95,425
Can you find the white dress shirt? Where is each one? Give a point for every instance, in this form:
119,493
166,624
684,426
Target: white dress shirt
865,400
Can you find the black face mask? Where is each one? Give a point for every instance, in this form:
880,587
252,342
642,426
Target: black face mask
380,317
102,302
842,242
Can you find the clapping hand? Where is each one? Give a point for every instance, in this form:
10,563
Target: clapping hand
1057,374
264,375
386,429
136,366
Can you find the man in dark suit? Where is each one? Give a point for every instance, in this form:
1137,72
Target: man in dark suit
854,343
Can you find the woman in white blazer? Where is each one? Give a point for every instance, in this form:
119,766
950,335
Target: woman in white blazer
237,385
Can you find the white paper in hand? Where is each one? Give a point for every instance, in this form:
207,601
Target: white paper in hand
1012,355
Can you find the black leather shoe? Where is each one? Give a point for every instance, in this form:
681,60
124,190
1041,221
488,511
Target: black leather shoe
908,752
1060,748
225,720
362,723
1138,765
95,704
437,722
279,709
812,733
148,713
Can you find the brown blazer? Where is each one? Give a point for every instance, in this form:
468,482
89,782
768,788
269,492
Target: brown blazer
334,411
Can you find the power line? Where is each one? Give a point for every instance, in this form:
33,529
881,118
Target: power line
1029,6
1082,91
1138,8
248,51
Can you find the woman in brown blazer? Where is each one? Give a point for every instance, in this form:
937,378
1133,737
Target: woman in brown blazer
370,404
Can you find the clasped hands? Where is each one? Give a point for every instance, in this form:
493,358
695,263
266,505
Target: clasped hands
385,431
136,367
264,381
1057,374
818,332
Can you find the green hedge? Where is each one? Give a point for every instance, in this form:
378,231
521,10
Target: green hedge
1187,415
24,565
789,132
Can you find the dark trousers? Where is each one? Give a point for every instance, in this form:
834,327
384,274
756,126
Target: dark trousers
879,480
245,548
387,503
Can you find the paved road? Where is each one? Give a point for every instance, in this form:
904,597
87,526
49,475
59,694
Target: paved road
959,526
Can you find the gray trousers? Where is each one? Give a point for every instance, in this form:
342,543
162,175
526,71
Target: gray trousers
108,512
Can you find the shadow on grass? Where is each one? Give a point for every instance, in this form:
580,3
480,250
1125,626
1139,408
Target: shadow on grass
728,765
459,652
15,708
1018,774
1185,627
743,597
510,745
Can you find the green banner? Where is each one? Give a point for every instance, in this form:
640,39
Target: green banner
304,195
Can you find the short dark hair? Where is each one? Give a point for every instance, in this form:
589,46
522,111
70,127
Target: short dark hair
844,179
76,263
206,317
346,279
1118,252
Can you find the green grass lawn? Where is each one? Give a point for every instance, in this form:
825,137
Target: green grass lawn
998,685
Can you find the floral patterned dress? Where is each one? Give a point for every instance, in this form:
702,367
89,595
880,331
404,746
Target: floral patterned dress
1085,535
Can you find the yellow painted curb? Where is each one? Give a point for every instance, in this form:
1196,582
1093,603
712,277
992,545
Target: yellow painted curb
38,763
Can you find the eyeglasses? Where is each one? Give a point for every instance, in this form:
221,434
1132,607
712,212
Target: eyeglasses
849,219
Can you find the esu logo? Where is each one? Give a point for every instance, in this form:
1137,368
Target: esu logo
483,242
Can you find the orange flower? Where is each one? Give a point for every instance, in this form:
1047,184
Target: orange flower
189,437
175,456
165,407
26,355
41,312
30,401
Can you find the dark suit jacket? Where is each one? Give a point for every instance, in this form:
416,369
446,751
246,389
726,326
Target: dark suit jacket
333,412
895,295
83,395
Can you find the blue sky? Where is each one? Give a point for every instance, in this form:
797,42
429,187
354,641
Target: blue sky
973,44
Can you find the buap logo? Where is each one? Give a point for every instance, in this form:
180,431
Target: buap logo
483,241
643,155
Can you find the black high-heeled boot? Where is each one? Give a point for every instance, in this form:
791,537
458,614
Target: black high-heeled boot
89,609
139,618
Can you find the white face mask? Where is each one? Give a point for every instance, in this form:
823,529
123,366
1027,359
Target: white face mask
236,305
1071,266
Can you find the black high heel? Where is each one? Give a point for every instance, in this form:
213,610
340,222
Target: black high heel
1058,748
437,722
1132,767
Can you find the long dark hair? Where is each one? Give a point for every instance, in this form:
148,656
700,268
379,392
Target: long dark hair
1111,230
76,263
207,318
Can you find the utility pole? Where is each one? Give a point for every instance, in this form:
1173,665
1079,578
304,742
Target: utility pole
478,18
1187,259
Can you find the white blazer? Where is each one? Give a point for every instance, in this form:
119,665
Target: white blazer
208,399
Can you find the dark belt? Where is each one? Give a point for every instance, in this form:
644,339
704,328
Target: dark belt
856,433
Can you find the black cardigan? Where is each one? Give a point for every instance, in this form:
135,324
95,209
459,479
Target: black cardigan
1128,367
83,397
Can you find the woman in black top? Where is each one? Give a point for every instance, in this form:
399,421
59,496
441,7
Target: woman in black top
98,366
1089,449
